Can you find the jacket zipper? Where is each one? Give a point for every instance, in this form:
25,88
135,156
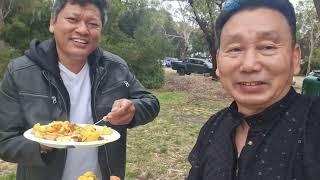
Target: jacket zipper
96,116
54,99
94,94
105,149
116,85
237,168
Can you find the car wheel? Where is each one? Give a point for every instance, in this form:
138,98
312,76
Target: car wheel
181,72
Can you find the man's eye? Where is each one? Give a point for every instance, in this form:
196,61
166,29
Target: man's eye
268,47
234,50
94,25
71,19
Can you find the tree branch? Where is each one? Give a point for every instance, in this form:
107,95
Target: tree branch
317,6
9,9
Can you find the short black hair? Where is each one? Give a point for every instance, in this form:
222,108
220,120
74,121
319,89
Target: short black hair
231,7
102,5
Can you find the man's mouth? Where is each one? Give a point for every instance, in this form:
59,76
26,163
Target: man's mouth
78,40
254,83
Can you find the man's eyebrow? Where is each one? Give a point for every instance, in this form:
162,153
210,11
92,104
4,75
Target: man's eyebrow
270,35
230,38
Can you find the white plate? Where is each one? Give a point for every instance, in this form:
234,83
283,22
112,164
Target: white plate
61,145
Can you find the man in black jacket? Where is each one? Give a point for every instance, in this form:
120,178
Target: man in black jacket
70,78
269,132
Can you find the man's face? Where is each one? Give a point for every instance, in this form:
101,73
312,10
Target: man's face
77,30
256,60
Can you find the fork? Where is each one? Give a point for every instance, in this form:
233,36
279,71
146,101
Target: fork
99,121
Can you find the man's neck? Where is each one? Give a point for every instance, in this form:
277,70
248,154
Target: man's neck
73,64
241,136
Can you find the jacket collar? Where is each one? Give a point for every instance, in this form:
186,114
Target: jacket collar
44,53
265,118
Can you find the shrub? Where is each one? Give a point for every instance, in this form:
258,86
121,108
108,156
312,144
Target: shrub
5,56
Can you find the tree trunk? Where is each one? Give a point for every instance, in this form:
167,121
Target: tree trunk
317,5
213,53
1,17
311,52
1,23
210,37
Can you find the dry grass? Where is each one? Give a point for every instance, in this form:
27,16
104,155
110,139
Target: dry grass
160,149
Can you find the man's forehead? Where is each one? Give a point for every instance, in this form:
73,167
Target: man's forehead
259,34
256,22
78,9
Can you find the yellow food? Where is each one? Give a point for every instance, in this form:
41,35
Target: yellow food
64,131
88,176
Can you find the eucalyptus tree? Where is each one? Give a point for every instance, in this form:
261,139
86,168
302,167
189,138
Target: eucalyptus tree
205,14
317,6
308,28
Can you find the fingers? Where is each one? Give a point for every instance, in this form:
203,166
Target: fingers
45,149
121,113
114,178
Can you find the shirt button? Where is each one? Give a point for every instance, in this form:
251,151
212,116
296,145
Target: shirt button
250,143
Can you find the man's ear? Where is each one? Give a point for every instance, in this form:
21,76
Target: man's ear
52,24
296,59
217,70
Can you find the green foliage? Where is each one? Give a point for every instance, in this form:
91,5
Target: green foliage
135,33
5,56
199,43
26,25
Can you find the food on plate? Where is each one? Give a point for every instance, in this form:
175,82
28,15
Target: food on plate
88,176
65,131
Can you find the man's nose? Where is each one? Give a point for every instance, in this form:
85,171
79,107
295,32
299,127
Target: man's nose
82,28
250,62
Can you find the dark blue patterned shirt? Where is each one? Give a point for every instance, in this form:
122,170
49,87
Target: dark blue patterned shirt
283,143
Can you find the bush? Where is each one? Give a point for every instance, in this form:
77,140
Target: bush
5,56
150,76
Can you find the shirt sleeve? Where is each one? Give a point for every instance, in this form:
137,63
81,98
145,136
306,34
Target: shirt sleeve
147,105
14,147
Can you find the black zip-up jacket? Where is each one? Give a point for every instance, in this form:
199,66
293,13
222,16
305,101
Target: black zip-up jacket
283,143
32,91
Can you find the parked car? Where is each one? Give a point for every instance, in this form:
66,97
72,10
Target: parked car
192,65
166,62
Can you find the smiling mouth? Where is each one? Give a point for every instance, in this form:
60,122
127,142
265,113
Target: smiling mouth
82,41
255,83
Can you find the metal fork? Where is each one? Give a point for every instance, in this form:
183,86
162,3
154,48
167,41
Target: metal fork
99,121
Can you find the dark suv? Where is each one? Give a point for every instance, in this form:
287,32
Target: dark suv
192,65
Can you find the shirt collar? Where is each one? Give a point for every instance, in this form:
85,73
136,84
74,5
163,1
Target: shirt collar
260,120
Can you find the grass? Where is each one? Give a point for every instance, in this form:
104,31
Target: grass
8,177
159,150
